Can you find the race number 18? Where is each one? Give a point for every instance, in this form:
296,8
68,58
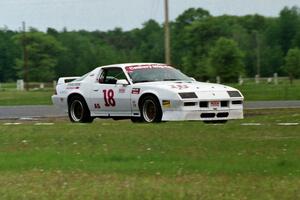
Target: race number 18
109,98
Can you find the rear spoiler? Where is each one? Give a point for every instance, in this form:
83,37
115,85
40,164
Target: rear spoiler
64,80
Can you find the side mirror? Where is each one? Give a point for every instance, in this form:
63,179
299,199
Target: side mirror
193,79
123,82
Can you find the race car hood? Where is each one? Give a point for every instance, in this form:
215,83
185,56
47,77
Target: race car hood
203,90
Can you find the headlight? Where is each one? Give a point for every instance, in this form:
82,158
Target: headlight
188,95
234,93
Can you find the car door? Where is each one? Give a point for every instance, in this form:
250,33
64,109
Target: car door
110,98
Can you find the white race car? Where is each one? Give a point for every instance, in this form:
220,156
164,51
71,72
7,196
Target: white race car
145,92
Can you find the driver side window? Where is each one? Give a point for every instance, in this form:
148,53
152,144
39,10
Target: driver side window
111,75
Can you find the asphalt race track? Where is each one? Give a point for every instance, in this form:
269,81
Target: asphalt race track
38,111
270,104
17,112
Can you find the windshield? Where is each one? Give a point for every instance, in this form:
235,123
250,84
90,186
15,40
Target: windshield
151,73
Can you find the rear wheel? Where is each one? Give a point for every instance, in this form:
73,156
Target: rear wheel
150,110
79,111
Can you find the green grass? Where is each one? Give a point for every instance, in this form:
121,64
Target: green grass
9,96
12,98
8,86
263,91
175,160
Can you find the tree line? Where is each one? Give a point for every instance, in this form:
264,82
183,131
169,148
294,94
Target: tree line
202,46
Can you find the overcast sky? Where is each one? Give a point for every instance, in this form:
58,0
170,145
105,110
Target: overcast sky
127,14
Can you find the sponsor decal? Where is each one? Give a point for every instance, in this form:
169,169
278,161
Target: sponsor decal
179,87
215,103
135,91
166,103
134,104
97,106
122,90
147,66
73,84
72,88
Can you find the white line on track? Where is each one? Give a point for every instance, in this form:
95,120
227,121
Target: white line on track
9,123
288,124
28,119
251,124
215,124
44,124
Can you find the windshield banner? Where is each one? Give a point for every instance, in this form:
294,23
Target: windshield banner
146,66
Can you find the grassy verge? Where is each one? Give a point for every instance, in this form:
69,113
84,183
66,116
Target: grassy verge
265,92
60,185
178,160
12,98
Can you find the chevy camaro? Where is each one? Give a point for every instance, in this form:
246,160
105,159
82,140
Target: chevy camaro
145,92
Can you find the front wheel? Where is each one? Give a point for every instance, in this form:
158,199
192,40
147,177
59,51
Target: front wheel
150,110
79,111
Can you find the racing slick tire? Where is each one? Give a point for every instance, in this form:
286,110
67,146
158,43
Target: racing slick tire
78,110
150,110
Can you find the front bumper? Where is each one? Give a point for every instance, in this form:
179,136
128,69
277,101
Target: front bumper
183,110
207,115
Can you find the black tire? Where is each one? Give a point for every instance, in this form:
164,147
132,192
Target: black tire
150,110
136,119
215,121
78,110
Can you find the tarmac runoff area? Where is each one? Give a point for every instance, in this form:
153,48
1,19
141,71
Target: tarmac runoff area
28,113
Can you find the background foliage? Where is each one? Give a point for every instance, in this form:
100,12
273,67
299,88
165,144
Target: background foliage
203,46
